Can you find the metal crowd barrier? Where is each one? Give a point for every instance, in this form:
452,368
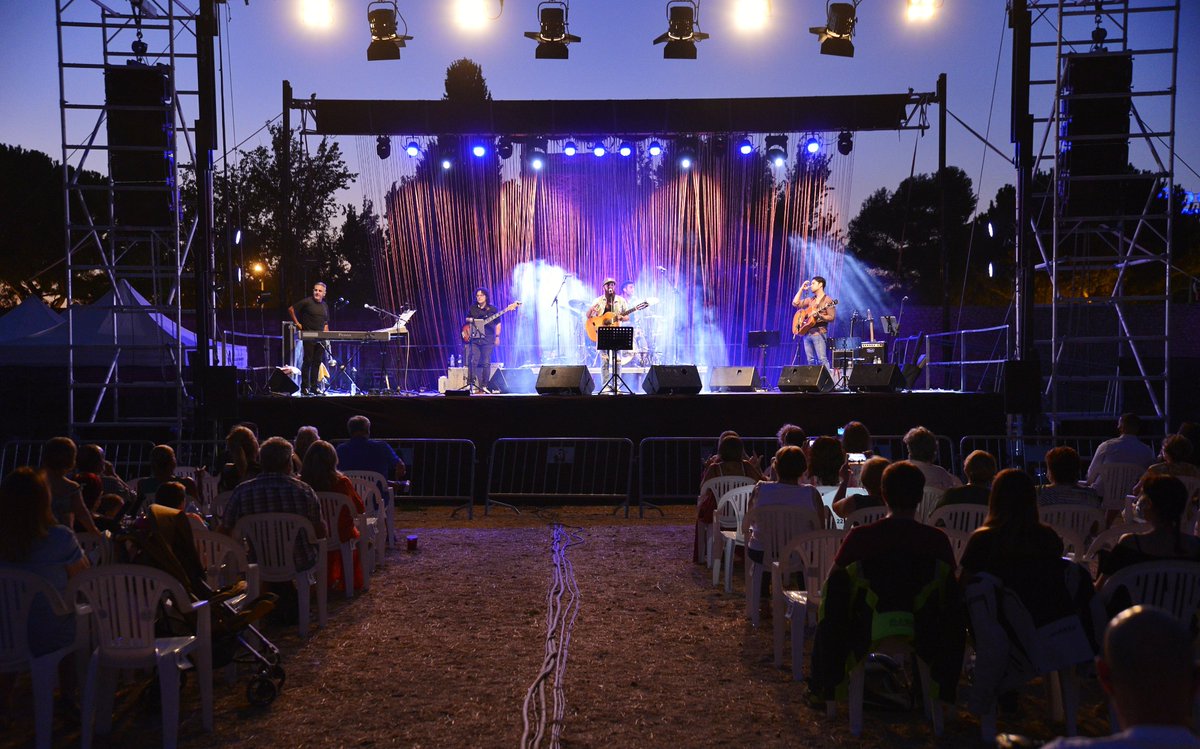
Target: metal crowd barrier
891,446
1029,453
669,468
559,468
209,454
438,469
130,458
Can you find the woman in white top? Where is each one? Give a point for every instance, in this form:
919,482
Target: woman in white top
790,465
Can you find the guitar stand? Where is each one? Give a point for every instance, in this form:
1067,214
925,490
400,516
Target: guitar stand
615,339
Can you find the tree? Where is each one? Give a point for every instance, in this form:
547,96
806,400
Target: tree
899,232
347,263
465,82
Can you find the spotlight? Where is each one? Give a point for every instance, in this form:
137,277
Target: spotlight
569,149
777,149
845,143
745,148
479,150
835,36
687,153
812,146
626,148
535,154
385,40
383,146
412,149
553,38
598,149
446,163
504,148
655,148
921,10
683,30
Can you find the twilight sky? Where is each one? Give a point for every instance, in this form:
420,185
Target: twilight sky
267,42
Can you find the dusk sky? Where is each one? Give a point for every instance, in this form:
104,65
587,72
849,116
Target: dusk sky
967,39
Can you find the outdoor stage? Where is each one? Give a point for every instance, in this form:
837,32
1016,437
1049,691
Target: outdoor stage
485,418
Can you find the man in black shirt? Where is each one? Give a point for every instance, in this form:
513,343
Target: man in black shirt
482,339
311,313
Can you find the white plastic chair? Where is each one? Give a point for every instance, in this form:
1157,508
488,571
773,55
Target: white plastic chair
96,548
225,562
865,516
216,507
1114,481
17,592
958,541
775,526
332,504
727,522
1075,523
1107,539
1172,585
811,553
384,506
964,517
272,537
122,603
718,485
376,515
930,498
895,648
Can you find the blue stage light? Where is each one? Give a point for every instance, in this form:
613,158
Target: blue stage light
446,163
746,147
569,149
685,163
599,149
413,149
479,150
655,148
536,163
625,149
812,145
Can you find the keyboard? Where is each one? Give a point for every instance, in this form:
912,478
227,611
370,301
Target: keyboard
352,335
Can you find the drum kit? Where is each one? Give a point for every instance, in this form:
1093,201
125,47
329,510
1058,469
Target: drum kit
648,333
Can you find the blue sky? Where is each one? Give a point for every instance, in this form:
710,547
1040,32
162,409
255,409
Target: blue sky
967,39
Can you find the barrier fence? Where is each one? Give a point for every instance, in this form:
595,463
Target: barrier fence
562,468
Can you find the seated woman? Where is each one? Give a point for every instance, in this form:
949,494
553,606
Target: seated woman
1176,455
788,434
321,473
789,464
162,471
32,540
241,448
730,460
1012,537
871,479
1161,503
825,460
1063,470
856,440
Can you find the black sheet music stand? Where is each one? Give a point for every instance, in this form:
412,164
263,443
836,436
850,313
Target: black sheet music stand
615,339
762,340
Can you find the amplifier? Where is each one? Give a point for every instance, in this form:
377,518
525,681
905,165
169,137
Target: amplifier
872,352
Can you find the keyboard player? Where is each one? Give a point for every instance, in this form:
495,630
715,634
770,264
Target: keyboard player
311,313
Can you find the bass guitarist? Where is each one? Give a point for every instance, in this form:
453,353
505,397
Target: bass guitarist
812,319
482,340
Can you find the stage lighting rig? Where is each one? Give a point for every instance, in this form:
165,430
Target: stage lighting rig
777,149
687,152
683,30
655,149
385,39
845,143
412,149
569,148
812,146
745,148
552,38
383,146
504,149
535,154
838,32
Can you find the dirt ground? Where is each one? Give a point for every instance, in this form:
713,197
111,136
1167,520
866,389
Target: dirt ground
442,649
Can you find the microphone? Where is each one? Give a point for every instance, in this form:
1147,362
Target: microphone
905,299
569,275
662,269
367,306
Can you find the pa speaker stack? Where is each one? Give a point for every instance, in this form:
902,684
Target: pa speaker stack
813,378
282,384
513,381
876,378
676,379
572,379
733,380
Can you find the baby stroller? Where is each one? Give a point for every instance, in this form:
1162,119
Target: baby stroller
166,542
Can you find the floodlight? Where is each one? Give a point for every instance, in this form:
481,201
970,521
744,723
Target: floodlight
598,149
683,30
626,148
569,149
386,41
921,10
479,150
845,143
745,148
812,146
446,163
535,154
505,147
383,146
552,38
836,35
777,149
412,149
655,148
687,153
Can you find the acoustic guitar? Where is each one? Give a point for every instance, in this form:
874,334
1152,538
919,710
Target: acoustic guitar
611,318
474,329
805,318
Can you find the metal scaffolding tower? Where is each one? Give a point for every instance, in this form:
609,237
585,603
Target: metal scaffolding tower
1103,81
126,101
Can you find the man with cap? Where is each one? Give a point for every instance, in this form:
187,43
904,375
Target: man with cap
607,302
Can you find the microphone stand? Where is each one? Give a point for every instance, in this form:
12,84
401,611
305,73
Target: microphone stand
395,321
557,330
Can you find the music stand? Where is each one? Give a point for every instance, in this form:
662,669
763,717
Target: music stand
890,325
615,339
761,340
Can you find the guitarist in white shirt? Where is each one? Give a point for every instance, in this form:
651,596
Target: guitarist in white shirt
479,348
812,321
607,302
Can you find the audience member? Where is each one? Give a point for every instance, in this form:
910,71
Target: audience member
1149,670
825,459
731,461
110,508
789,464
1126,448
856,441
305,437
66,496
91,460
173,495
922,452
1062,470
162,470
275,489
1161,502
241,448
1191,430
361,453
321,472
979,468
788,434
871,480
1176,453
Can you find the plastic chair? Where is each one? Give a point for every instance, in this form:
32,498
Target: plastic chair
332,504
1114,481
1075,523
376,515
895,648
17,591
811,553
225,561
929,500
122,601
1107,539
718,485
272,537
216,507
727,522
958,541
1172,585
775,526
384,505
962,517
865,516
95,547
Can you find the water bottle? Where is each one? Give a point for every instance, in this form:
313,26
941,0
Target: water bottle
451,366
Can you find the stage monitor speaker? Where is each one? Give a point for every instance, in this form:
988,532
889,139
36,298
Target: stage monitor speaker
733,380
281,383
811,378
569,379
513,381
876,378
1022,387
677,379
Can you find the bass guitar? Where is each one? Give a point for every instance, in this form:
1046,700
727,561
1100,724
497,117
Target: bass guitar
474,329
612,318
806,318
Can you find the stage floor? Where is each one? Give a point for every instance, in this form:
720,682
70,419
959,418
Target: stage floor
484,418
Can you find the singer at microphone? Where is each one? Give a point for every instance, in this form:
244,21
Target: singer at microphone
311,313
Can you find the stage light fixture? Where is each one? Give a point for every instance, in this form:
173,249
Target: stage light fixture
535,154
683,30
845,142
921,10
777,149
626,148
552,38
386,40
745,148
838,32
751,15
412,149
812,146
687,153
446,163
569,149
598,149
479,150
655,148
505,147
383,146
